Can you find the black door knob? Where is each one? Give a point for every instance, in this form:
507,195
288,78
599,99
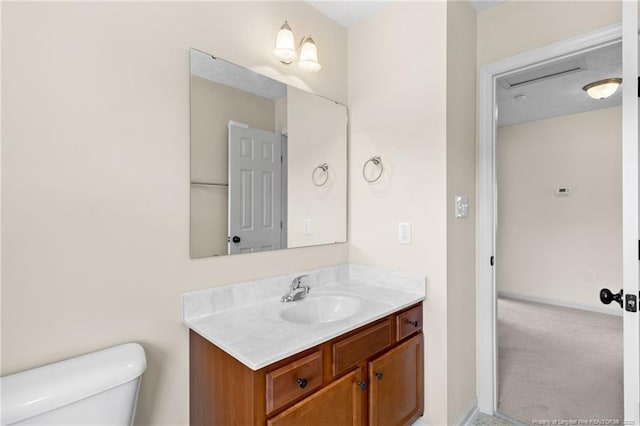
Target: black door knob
236,239
607,297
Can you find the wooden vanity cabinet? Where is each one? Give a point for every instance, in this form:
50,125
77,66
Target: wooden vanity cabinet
396,394
339,403
370,376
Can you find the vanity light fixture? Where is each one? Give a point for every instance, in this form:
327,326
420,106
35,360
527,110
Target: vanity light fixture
602,89
286,51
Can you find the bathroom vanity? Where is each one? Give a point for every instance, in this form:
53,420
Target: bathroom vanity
351,353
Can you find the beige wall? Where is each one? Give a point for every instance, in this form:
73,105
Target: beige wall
317,134
95,176
561,248
397,101
212,106
515,27
461,173
281,115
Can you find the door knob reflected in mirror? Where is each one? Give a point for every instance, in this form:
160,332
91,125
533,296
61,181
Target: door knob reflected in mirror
607,297
236,239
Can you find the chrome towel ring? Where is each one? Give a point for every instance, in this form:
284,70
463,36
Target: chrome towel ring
324,169
377,161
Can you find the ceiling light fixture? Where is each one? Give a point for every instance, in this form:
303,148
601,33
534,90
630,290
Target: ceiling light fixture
603,88
286,52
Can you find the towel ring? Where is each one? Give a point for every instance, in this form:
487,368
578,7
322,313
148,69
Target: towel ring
324,167
376,161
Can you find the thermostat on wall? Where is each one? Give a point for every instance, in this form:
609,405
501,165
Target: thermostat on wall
563,190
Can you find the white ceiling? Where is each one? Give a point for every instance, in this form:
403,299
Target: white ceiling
561,95
349,13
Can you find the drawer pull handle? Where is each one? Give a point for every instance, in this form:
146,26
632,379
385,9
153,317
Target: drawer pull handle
362,385
378,374
413,323
302,383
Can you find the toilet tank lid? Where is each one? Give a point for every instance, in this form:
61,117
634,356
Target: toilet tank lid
32,392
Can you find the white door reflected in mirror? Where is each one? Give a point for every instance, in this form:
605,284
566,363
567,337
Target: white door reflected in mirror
252,186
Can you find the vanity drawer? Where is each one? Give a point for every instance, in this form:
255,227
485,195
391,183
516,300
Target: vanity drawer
301,377
408,322
360,346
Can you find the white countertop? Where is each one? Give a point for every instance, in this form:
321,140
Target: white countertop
244,319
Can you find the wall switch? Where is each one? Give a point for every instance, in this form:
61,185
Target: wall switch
462,206
404,233
307,226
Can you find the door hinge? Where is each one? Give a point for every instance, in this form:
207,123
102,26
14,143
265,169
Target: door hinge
281,159
280,224
491,261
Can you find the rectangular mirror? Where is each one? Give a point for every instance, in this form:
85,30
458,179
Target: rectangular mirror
268,163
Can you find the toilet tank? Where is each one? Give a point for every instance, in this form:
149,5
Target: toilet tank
99,388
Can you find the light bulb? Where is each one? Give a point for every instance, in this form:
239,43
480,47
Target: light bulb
602,89
309,56
285,49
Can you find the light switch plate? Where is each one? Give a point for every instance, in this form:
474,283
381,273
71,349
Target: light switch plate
307,226
462,206
404,233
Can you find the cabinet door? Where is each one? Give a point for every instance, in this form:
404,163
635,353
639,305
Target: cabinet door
340,403
396,385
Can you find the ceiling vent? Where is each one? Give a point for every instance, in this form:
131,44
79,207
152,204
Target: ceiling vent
544,72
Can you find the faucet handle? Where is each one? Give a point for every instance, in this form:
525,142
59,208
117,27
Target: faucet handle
297,281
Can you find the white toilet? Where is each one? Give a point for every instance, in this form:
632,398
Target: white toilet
100,388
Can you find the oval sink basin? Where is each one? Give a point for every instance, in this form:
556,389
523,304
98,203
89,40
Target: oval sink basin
321,309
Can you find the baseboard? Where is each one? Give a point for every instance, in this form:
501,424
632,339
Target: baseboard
468,414
601,310
509,419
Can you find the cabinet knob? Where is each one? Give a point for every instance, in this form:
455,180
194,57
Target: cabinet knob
302,383
362,385
413,323
378,374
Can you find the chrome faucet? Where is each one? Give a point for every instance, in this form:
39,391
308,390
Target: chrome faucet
297,290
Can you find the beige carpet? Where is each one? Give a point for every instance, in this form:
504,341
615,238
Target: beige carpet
558,363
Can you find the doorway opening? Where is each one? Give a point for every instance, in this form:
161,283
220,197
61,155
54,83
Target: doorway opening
487,291
559,227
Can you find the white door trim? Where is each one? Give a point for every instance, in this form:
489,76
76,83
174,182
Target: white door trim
630,237
486,350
